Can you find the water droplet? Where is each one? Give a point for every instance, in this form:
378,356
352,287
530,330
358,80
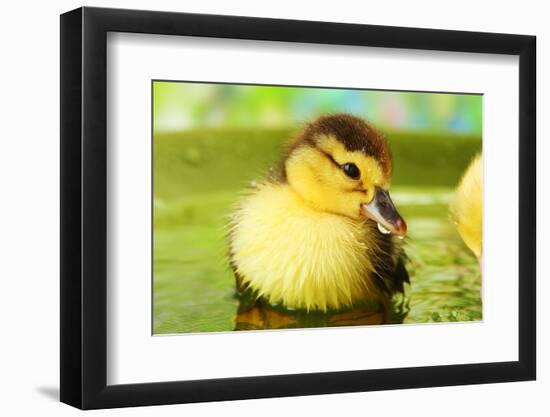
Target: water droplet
383,230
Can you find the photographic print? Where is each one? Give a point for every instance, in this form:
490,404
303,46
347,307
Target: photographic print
303,211
280,207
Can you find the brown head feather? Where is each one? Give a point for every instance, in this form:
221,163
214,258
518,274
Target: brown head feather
354,133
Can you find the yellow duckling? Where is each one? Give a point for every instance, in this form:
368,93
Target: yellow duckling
321,234
467,207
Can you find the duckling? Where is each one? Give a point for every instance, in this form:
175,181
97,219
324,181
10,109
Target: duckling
467,207
323,233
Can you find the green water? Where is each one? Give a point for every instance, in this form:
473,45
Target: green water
198,176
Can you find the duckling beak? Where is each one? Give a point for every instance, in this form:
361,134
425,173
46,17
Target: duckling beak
382,210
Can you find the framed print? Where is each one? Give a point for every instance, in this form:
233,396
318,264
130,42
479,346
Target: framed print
258,207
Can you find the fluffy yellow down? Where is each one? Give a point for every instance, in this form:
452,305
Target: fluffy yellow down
467,207
292,254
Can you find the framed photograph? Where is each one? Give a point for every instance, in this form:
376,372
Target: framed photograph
257,207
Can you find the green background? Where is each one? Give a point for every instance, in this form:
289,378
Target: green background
212,140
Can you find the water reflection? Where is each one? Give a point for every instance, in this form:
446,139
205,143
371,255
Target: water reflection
257,314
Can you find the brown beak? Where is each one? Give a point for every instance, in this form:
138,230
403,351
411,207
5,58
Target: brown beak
382,210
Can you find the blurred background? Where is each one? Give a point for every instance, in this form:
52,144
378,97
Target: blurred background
182,106
212,140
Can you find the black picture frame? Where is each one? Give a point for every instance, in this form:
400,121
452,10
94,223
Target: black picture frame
84,207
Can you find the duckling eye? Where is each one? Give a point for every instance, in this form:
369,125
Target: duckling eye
351,170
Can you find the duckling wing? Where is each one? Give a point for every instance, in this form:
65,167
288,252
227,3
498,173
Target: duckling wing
390,266
400,276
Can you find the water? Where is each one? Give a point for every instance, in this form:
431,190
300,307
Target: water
194,287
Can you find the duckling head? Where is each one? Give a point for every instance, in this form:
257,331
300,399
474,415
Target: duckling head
340,164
